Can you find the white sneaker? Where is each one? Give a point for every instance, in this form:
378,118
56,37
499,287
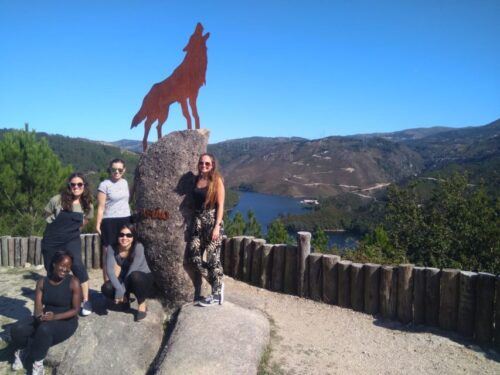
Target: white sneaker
38,368
18,360
86,308
211,300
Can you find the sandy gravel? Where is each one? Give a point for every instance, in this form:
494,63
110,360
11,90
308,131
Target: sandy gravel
315,338
308,337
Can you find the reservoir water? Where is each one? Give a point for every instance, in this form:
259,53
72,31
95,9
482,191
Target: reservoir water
268,207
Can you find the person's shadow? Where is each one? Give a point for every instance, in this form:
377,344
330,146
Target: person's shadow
15,309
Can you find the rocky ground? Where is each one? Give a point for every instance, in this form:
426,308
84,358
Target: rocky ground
307,337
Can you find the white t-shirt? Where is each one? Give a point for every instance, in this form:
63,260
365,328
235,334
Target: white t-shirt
117,196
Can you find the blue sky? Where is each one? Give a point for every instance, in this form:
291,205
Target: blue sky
275,68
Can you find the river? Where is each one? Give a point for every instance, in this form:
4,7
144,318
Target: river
268,207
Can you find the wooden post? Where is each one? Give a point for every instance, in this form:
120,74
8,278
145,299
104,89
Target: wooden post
432,296
315,276
357,287
344,283
485,307
96,252
31,249
17,251
228,250
236,254
5,250
419,295
11,244
303,251
497,314
448,301
247,258
372,287
38,251
330,279
278,267
388,291
466,303
405,293
290,281
88,251
24,251
266,267
257,245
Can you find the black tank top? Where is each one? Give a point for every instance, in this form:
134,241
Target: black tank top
199,195
57,298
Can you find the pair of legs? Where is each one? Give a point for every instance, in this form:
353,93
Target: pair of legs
78,269
201,242
138,283
43,334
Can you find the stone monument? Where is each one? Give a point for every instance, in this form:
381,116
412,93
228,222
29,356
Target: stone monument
164,180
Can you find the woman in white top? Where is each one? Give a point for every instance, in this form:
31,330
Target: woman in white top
113,210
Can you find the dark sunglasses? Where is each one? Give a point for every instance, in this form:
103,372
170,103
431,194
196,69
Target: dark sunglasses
78,184
206,164
128,235
114,170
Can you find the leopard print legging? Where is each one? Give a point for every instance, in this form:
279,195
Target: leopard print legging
201,241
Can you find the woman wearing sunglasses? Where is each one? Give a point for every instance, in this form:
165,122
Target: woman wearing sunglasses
67,213
113,210
128,272
207,228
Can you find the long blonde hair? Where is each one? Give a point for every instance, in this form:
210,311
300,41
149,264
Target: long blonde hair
213,178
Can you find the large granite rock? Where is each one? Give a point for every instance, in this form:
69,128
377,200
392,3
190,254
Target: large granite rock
164,179
226,339
111,344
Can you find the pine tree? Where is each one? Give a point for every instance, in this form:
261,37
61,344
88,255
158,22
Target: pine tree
236,226
277,233
252,227
319,240
30,173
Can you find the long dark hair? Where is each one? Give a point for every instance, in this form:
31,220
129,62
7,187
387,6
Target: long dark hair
213,178
67,196
132,229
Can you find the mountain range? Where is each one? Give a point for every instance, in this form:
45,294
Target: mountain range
361,164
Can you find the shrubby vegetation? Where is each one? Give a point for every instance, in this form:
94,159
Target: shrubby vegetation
459,227
30,174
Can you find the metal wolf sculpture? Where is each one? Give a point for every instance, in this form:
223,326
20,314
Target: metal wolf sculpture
183,84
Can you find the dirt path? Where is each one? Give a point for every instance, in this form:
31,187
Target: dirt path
315,338
307,337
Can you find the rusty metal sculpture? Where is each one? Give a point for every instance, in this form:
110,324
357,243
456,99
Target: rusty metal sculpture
183,84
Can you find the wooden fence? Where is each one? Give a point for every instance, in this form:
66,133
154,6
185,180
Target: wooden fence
19,251
466,302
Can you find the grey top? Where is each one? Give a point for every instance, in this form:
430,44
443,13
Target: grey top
54,207
135,262
117,196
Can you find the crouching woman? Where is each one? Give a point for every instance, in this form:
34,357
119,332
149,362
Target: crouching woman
57,302
128,272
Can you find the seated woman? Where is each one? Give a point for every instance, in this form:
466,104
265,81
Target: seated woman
128,272
57,302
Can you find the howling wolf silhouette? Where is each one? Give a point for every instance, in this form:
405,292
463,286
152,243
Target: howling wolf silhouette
183,84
